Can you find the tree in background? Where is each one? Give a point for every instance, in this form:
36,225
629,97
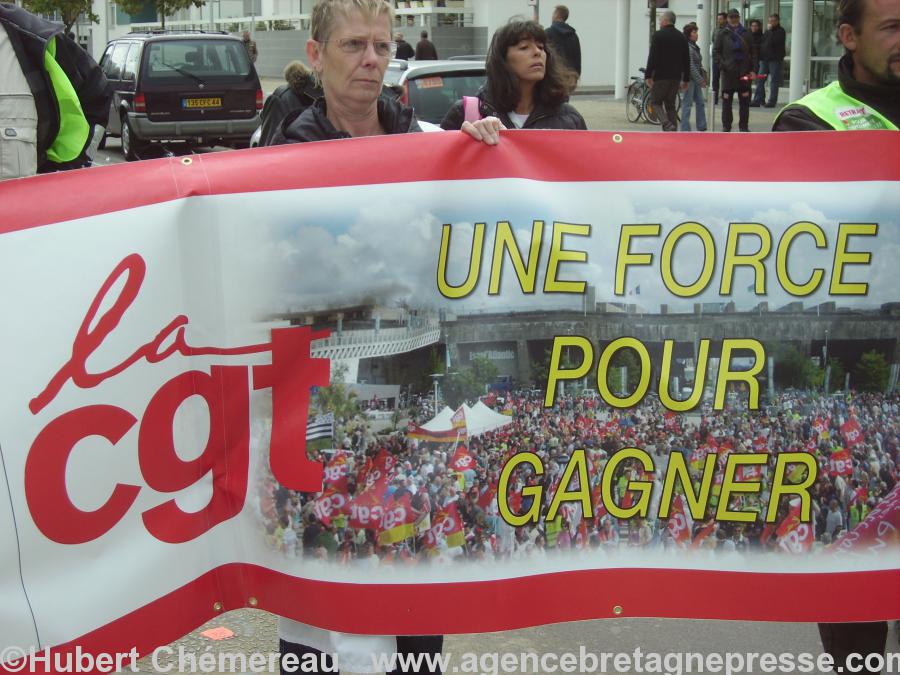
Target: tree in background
69,10
872,372
629,359
836,376
793,369
470,382
337,397
163,8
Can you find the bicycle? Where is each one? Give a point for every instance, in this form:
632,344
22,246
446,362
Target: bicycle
638,104
634,99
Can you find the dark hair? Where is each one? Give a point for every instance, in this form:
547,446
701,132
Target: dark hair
688,29
757,22
502,87
851,11
423,34
562,11
722,14
775,16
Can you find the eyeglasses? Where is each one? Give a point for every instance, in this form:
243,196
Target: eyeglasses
383,48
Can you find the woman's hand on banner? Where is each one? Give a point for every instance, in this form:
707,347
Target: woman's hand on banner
486,130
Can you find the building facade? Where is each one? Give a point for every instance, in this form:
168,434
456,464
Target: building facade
614,33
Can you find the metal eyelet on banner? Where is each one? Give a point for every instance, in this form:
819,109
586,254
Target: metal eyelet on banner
252,601
617,610
217,606
187,161
617,138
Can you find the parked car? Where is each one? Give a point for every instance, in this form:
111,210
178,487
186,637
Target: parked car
195,87
432,87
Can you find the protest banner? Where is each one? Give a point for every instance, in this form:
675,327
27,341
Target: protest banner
162,344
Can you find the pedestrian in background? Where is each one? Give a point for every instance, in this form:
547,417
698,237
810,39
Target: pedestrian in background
297,94
405,50
721,20
563,38
693,97
771,61
756,34
668,68
737,61
425,49
250,46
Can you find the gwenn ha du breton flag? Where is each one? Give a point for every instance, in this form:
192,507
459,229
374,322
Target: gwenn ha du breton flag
322,426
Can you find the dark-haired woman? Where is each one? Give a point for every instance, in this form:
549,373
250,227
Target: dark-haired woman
526,88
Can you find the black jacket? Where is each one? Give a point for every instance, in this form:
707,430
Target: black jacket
883,98
30,35
405,50
313,124
735,62
669,58
773,45
425,50
566,43
562,116
299,93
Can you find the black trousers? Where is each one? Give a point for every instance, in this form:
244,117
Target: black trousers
663,95
842,639
406,644
743,97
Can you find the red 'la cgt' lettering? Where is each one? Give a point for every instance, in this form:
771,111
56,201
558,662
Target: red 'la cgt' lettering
226,392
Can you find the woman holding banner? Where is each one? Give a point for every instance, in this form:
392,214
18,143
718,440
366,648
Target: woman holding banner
349,50
527,88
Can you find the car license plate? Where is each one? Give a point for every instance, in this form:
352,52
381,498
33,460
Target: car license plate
201,102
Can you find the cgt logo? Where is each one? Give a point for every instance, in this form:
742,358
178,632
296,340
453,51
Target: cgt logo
226,392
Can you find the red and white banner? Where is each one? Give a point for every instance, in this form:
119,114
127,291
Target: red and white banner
160,363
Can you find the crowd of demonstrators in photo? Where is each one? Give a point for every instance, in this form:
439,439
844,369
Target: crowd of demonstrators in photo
446,493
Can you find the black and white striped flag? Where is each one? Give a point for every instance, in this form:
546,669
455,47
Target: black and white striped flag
321,426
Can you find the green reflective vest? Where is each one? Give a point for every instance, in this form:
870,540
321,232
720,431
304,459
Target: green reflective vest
74,130
841,111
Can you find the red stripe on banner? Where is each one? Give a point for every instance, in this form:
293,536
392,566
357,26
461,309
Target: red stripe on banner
540,155
488,606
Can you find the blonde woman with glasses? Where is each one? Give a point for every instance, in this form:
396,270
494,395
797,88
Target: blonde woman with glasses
349,50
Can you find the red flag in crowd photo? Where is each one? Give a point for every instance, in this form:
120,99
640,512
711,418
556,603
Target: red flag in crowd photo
462,459
852,432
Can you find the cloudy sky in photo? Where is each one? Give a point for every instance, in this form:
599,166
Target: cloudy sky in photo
340,246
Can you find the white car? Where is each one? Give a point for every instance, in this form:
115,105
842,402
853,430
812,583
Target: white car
432,87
